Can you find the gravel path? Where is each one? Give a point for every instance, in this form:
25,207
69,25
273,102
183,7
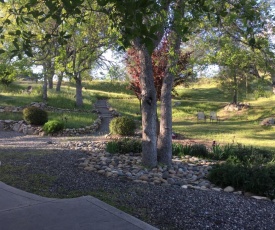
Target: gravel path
164,207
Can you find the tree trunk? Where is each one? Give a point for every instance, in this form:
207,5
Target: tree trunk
149,107
45,88
45,84
78,95
235,91
50,81
59,82
165,134
273,81
50,71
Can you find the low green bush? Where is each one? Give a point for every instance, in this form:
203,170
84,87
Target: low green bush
35,116
123,146
256,179
181,150
199,150
53,126
123,126
245,155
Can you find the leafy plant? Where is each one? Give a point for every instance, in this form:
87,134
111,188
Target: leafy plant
123,126
53,126
7,74
181,150
199,150
123,146
256,179
35,116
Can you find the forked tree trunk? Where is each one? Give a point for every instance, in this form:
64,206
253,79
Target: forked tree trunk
78,95
165,134
149,107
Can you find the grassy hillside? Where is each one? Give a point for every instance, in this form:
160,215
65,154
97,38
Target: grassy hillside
238,126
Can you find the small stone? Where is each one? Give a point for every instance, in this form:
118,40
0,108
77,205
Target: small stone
128,174
171,171
108,174
194,177
101,171
260,198
217,189
203,188
238,192
170,181
229,189
157,182
165,175
273,200
144,178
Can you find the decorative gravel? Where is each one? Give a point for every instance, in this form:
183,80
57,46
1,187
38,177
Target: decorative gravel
165,207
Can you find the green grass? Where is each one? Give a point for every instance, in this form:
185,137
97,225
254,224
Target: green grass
238,126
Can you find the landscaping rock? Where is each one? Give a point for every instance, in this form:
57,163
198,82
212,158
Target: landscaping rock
260,198
267,121
229,189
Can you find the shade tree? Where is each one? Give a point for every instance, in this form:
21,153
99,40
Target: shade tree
144,28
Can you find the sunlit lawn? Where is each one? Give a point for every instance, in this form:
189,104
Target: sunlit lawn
237,126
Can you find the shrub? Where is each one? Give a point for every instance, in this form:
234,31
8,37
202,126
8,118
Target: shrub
181,150
250,156
35,116
256,179
222,152
53,126
199,150
123,146
123,126
7,74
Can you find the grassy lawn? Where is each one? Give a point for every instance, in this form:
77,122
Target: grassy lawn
237,126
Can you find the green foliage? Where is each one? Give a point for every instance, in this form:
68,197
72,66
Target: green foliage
262,89
7,74
35,116
221,152
123,126
256,179
246,168
124,146
181,150
53,126
199,150
244,155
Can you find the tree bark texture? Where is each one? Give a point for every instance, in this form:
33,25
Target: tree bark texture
59,82
235,91
149,108
45,84
78,95
165,135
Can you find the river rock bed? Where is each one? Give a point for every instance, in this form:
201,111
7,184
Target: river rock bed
187,172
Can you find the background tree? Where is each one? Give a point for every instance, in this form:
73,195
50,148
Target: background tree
88,42
7,74
144,28
159,63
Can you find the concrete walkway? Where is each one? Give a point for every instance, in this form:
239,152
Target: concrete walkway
20,210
